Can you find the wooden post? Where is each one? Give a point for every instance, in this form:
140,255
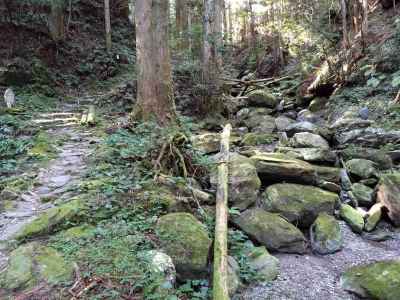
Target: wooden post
220,275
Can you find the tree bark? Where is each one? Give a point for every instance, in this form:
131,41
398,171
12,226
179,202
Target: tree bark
343,8
212,59
220,274
364,25
182,12
154,78
56,21
107,22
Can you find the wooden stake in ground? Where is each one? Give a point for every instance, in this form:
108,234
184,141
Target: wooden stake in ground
220,274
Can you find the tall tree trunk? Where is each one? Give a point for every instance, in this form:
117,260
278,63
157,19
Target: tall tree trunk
343,7
253,37
364,25
181,14
225,18
107,22
131,6
230,23
212,41
56,21
154,87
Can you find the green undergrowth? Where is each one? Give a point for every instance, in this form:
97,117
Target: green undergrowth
124,204
20,140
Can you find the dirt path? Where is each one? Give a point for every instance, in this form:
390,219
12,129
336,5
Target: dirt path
53,183
312,277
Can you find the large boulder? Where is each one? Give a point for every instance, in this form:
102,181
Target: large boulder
244,183
363,194
309,140
310,154
299,204
389,195
234,282
352,217
255,139
264,264
379,280
52,219
209,142
31,264
271,230
361,168
367,137
162,272
283,122
299,127
326,235
257,118
383,161
274,167
262,98
186,241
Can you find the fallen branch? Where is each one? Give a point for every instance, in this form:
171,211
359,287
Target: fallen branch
220,274
186,189
247,82
397,99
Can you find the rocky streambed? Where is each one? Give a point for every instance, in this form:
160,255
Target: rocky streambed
320,194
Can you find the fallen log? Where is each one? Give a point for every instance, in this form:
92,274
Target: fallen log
220,270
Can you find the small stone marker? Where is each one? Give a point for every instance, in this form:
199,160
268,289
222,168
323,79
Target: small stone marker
9,97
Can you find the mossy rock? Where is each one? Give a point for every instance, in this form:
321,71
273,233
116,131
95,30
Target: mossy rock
42,146
361,168
187,242
264,264
389,195
33,263
210,142
255,139
78,232
352,217
273,167
53,219
382,160
363,194
310,154
299,204
262,98
380,280
271,230
163,273
326,235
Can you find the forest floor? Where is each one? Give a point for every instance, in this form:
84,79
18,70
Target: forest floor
55,178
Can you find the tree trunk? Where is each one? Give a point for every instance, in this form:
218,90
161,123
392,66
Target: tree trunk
225,18
212,60
220,272
343,7
56,21
154,79
107,24
131,5
253,37
182,12
364,25
230,23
